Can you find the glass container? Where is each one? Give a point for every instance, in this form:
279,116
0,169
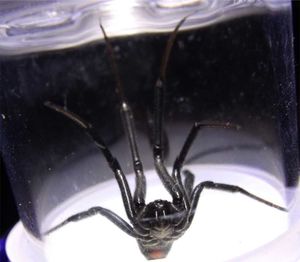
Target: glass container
231,68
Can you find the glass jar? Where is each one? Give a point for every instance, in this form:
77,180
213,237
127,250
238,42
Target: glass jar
230,68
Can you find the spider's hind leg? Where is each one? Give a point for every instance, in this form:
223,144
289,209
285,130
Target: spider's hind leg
114,218
195,196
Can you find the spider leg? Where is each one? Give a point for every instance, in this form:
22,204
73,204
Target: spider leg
128,125
158,149
165,138
189,179
176,173
111,160
237,189
114,218
159,109
224,187
172,183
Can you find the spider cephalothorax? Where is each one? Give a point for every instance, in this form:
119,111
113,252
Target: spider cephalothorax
158,224
159,214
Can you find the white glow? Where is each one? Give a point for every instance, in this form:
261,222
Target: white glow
124,11
225,225
178,3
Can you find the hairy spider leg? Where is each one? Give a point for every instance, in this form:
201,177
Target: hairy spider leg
128,125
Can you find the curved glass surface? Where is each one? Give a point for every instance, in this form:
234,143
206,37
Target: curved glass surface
231,65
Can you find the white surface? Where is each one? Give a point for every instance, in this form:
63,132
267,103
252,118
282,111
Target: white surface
226,226
21,247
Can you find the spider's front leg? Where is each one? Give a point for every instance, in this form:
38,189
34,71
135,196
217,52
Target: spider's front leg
115,167
128,125
111,160
175,189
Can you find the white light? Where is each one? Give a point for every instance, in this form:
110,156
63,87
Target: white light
123,13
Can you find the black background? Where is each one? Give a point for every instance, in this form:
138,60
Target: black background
8,212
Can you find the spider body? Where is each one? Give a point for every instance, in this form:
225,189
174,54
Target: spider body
160,219
158,215
158,224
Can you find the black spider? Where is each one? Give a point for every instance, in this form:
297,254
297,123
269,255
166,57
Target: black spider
158,224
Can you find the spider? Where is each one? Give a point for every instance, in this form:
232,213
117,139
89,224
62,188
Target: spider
158,224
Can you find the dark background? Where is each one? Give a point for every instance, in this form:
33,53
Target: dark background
8,213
